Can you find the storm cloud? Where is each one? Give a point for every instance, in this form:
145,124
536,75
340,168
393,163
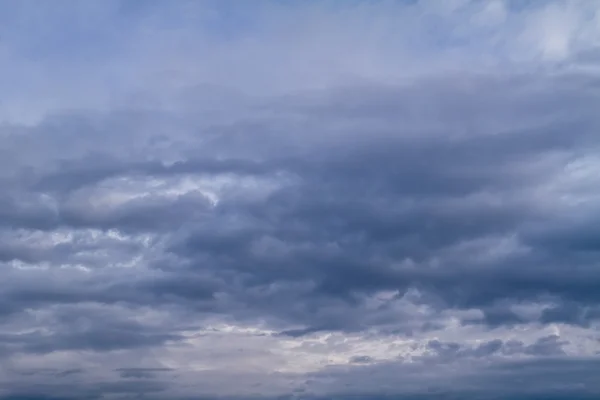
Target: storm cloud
303,200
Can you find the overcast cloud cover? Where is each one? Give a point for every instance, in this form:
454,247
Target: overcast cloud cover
299,199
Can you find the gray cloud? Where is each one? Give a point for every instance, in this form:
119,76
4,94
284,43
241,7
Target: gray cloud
401,211
141,372
431,235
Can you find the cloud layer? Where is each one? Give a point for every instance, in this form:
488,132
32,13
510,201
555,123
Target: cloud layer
304,200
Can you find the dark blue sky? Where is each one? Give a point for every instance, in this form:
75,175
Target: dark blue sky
299,200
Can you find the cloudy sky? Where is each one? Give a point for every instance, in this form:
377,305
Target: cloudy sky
313,200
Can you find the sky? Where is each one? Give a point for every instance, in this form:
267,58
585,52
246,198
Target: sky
304,200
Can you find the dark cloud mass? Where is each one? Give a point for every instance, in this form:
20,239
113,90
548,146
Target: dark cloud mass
429,234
